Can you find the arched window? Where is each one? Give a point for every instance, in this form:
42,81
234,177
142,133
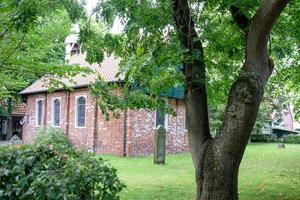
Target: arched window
39,112
56,112
80,114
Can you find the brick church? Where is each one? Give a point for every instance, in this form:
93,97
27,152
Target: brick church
77,114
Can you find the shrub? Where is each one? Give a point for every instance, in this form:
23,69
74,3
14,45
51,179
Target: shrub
50,168
294,139
273,138
56,139
263,138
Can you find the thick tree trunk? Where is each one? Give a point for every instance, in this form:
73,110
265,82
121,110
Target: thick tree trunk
220,158
220,177
217,160
217,176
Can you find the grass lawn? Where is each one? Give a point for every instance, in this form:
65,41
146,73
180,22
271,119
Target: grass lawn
266,173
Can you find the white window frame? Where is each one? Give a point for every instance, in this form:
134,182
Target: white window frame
76,107
52,111
37,112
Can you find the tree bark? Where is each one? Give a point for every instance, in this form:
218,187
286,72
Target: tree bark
217,160
195,93
9,119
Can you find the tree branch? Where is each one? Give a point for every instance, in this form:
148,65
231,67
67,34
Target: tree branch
195,93
3,33
247,91
194,71
13,51
240,18
184,23
259,32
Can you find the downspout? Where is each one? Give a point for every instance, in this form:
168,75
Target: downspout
125,133
68,112
45,111
95,139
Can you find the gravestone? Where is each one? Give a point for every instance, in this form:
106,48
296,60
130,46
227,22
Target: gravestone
15,140
281,145
160,145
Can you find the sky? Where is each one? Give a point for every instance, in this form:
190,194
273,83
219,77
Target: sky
117,26
90,5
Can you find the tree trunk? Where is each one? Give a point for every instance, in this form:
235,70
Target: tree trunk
220,177
9,119
217,160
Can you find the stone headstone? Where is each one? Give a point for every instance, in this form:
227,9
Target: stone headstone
15,140
160,145
281,145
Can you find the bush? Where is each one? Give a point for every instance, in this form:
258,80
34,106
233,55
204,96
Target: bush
263,138
50,168
293,139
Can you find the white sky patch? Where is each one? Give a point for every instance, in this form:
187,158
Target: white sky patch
117,26
90,4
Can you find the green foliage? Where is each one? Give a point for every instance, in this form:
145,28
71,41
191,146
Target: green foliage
263,138
26,57
56,138
32,34
293,139
266,172
150,51
52,169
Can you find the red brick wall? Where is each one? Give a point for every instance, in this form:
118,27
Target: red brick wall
29,128
109,138
108,134
177,136
106,137
82,137
142,129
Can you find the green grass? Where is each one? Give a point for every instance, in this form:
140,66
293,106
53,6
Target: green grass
266,173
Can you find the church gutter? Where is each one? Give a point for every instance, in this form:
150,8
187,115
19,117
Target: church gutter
95,139
68,112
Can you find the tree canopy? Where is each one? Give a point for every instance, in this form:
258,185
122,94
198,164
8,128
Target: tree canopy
32,35
151,53
222,52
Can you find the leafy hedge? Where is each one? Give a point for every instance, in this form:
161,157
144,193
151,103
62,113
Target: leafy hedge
52,169
293,139
264,138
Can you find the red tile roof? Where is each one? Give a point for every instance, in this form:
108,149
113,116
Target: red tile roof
107,70
19,110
